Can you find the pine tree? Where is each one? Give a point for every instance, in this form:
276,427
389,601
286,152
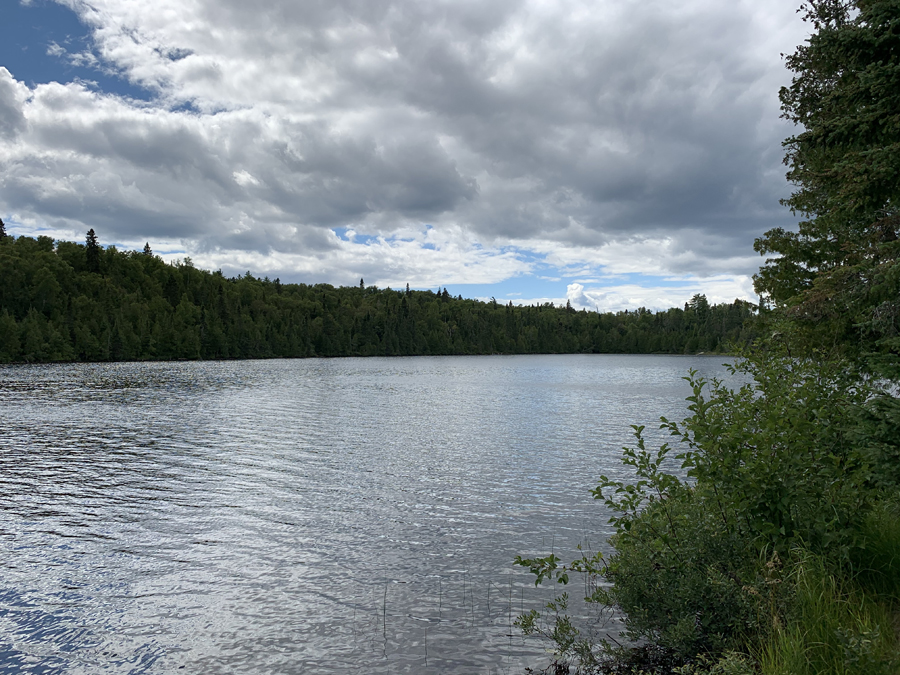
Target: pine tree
147,250
3,234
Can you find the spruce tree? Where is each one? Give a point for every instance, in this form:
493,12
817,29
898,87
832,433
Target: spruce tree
92,252
838,274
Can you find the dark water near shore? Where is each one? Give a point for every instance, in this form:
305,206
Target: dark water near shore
311,516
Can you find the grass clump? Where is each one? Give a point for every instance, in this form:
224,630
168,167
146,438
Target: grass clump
832,626
875,562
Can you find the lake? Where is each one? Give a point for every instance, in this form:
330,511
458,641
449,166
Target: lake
304,516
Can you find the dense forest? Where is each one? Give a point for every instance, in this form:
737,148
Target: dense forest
63,301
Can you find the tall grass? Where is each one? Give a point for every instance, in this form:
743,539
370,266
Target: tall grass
836,625
876,562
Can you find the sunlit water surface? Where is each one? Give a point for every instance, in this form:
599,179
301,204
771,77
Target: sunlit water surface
305,516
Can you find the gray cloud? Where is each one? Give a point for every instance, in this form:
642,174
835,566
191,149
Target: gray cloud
12,118
569,124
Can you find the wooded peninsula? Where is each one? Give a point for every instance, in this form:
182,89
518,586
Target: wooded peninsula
64,301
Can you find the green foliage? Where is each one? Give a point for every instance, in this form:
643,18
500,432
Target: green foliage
562,632
877,434
875,562
787,462
831,627
769,469
681,579
92,252
774,459
58,307
731,663
839,272
9,338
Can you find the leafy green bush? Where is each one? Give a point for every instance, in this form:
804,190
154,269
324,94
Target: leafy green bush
775,459
682,580
731,663
780,464
769,468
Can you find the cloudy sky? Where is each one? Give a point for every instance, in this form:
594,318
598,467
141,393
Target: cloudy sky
617,153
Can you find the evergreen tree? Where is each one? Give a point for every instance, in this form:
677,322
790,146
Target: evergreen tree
839,272
3,234
144,308
92,252
147,250
9,338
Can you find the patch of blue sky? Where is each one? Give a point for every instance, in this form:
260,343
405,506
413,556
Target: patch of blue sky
36,40
351,235
526,288
525,255
518,290
365,239
545,281
548,271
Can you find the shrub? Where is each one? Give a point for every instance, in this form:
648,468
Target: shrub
780,464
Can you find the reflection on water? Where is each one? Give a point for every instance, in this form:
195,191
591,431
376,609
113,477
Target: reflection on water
311,516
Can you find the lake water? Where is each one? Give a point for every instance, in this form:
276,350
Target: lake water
303,516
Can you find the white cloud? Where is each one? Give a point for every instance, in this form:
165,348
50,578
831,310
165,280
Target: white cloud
718,290
615,297
421,259
54,49
244,178
457,141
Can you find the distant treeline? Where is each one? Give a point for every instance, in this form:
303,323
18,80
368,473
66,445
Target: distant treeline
63,301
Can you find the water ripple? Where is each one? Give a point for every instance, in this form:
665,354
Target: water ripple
311,516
